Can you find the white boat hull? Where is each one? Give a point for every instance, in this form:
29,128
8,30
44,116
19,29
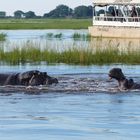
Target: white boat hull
113,31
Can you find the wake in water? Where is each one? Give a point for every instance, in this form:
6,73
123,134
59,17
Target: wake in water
71,83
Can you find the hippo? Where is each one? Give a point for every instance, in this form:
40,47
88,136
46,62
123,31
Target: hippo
24,78
42,79
33,78
124,83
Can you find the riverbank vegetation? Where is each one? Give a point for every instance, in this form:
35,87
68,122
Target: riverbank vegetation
3,36
61,11
75,36
31,52
45,23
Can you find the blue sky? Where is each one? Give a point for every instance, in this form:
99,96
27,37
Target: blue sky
38,6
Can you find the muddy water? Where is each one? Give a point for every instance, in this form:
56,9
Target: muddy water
84,105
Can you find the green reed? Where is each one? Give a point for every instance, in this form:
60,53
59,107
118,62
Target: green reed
78,36
58,35
32,52
52,36
49,35
3,36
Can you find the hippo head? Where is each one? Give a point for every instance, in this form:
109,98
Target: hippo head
116,73
42,79
28,74
25,77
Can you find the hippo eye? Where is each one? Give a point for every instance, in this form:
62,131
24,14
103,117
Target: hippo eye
120,70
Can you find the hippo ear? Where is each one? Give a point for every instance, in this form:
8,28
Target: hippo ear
45,73
36,73
120,70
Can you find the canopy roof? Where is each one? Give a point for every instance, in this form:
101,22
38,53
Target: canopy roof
113,2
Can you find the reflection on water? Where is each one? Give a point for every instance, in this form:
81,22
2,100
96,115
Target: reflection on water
79,115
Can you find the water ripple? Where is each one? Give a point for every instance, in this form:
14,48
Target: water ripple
70,84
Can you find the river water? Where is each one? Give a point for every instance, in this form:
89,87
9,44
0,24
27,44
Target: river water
78,115
70,110
19,35
40,38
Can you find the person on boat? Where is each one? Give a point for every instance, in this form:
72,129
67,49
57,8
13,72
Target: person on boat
134,14
113,13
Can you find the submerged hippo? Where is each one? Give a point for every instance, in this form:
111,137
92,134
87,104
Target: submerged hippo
124,83
33,78
42,79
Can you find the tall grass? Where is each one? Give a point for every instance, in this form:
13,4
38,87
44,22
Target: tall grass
78,36
52,36
49,35
58,35
3,36
32,52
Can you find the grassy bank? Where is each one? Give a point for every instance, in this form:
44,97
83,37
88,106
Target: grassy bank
45,23
75,55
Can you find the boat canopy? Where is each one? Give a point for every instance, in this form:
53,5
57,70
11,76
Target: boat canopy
116,2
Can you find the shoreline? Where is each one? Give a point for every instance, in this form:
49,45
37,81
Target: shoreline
15,24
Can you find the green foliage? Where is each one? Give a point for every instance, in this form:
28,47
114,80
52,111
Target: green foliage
31,52
78,36
52,36
3,36
30,14
75,36
61,11
2,14
58,35
83,12
49,35
45,23
18,14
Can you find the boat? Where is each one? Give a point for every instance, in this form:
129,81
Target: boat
116,18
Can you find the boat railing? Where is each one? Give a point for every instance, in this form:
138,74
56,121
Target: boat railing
116,18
